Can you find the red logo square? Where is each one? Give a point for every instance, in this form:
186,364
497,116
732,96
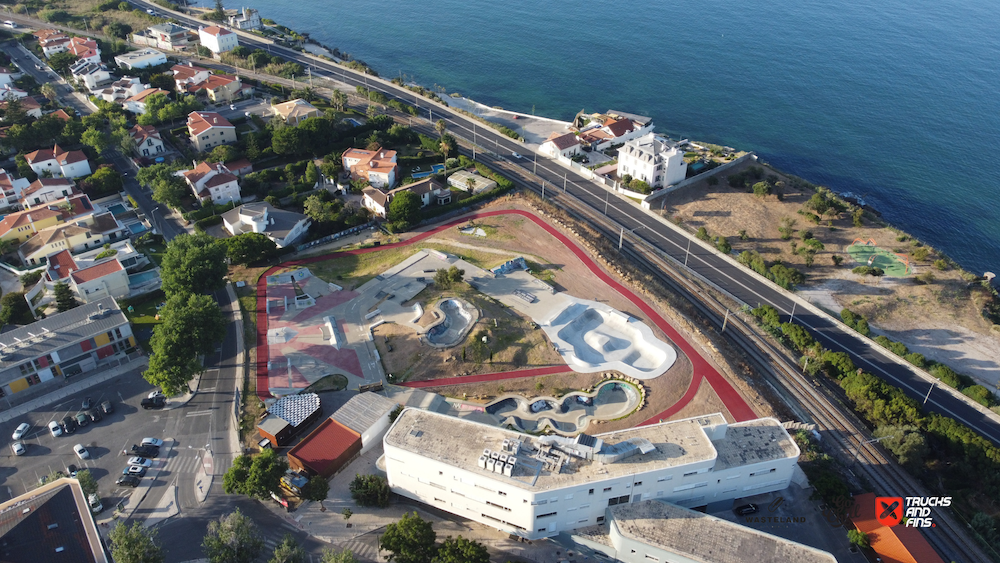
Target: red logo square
889,510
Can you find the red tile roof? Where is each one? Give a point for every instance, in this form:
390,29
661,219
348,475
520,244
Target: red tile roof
142,132
61,265
216,30
141,96
564,141
897,544
61,115
201,121
203,168
97,271
185,72
619,127
57,153
21,218
322,449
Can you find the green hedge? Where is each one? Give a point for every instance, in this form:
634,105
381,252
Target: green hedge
202,224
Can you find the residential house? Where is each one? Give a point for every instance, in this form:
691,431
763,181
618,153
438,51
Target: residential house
121,90
92,75
429,190
470,182
91,280
29,105
130,258
61,114
44,192
6,76
85,49
378,167
282,227
164,36
52,42
240,167
143,58
137,103
565,145
20,226
246,19
9,91
295,111
11,189
64,344
208,129
189,74
217,39
213,182
147,140
218,88
653,160
59,162
89,232
606,130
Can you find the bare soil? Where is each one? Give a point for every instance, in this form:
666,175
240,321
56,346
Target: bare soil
902,307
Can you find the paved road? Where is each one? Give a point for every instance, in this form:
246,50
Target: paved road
165,222
31,65
741,283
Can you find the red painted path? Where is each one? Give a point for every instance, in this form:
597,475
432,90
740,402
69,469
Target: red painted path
702,369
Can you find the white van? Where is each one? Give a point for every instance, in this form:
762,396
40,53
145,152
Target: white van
10,24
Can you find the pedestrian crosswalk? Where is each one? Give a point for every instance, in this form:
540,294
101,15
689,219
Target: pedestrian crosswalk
182,463
363,551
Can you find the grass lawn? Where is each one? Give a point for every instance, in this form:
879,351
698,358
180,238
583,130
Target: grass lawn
154,251
334,382
244,128
141,312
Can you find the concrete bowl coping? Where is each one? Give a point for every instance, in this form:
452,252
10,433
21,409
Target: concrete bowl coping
577,414
452,335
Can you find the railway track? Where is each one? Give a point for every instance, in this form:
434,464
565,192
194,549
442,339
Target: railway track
846,435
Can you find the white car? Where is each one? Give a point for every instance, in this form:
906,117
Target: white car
154,394
140,461
156,442
17,448
22,429
55,429
515,155
81,452
232,106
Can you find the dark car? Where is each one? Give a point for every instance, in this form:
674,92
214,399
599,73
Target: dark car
72,469
145,451
82,419
95,415
69,424
107,407
154,403
128,481
745,510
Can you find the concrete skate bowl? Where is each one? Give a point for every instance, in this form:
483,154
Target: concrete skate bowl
455,318
595,337
570,414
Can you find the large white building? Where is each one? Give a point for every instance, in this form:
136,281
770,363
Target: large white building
538,486
653,160
217,39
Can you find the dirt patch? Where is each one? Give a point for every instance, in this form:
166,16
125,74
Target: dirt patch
901,306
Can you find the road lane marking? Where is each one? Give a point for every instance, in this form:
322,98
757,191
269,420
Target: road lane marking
198,413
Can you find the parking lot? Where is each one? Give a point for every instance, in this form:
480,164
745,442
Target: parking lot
104,440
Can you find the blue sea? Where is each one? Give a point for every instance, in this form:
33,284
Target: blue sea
896,100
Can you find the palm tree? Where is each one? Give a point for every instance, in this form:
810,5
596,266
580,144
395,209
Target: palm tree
440,126
49,91
471,182
445,149
339,100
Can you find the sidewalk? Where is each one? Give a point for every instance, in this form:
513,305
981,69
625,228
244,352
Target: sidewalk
72,388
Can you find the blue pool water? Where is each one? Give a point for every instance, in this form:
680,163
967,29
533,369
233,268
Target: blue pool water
142,277
137,228
436,169
117,209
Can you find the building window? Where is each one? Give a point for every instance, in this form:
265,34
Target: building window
690,473
600,519
662,479
606,489
756,473
638,483
591,491
546,515
26,368
501,493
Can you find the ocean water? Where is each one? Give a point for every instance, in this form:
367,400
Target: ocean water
895,100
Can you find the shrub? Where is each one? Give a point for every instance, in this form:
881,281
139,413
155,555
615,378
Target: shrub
857,217
798,336
370,490
925,278
703,233
762,189
743,235
836,259
940,265
916,359
786,277
723,245
980,394
712,181
920,253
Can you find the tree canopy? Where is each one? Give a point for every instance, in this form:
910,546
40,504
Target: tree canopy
168,189
234,538
461,550
370,490
65,300
247,248
255,477
135,544
411,540
193,264
404,210
288,551
14,309
192,325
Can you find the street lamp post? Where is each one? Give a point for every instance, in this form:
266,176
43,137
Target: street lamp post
860,443
621,237
928,396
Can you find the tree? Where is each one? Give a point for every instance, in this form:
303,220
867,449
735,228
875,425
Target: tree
338,100
170,192
234,538
255,477
288,551
162,81
247,248
29,279
224,153
906,442
312,173
14,309
440,126
858,538
49,91
104,182
320,211
135,544
192,325
317,489
455,275
117,29
441,279
762,189
65,300
95,139
723,245
702,233
404,209
287,140
411,540
60,62
193,264
87,482
345,556
370,490
461,550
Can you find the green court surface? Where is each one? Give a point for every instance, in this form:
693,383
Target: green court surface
893,265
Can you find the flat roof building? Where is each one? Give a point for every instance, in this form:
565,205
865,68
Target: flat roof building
50,523
64,344
325,450
288,416
368,415
538,486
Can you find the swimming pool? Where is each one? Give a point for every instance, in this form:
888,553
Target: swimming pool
143,277
117,209
137,228
436,169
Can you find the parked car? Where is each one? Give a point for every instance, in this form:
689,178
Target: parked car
155,403
81,452
17,448
69,424
95,503
155,394
82,419
128,481
145,451
137,470
72,469
86,404
107,407
151,442
95,415
746,510
21,430
55,429
140,461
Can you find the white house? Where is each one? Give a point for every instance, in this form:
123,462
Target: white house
142,58
47,190
207,129
246,19
164,36
59,162
378,167
539,486
213,182
11,188
6,76
566,145
653,160
119,90
147,140
107,278
217,39
429,190
90,74
85,49
282,227
137,103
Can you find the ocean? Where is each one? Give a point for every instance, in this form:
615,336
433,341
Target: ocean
895,101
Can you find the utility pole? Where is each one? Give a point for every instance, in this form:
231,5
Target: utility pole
725,321
791,318
607,196
565,179
688,253
860,443
928,396
543,189
534,169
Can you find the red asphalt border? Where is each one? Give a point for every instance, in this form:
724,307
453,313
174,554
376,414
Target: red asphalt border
737,407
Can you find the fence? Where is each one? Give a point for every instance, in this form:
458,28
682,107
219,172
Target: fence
334,236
